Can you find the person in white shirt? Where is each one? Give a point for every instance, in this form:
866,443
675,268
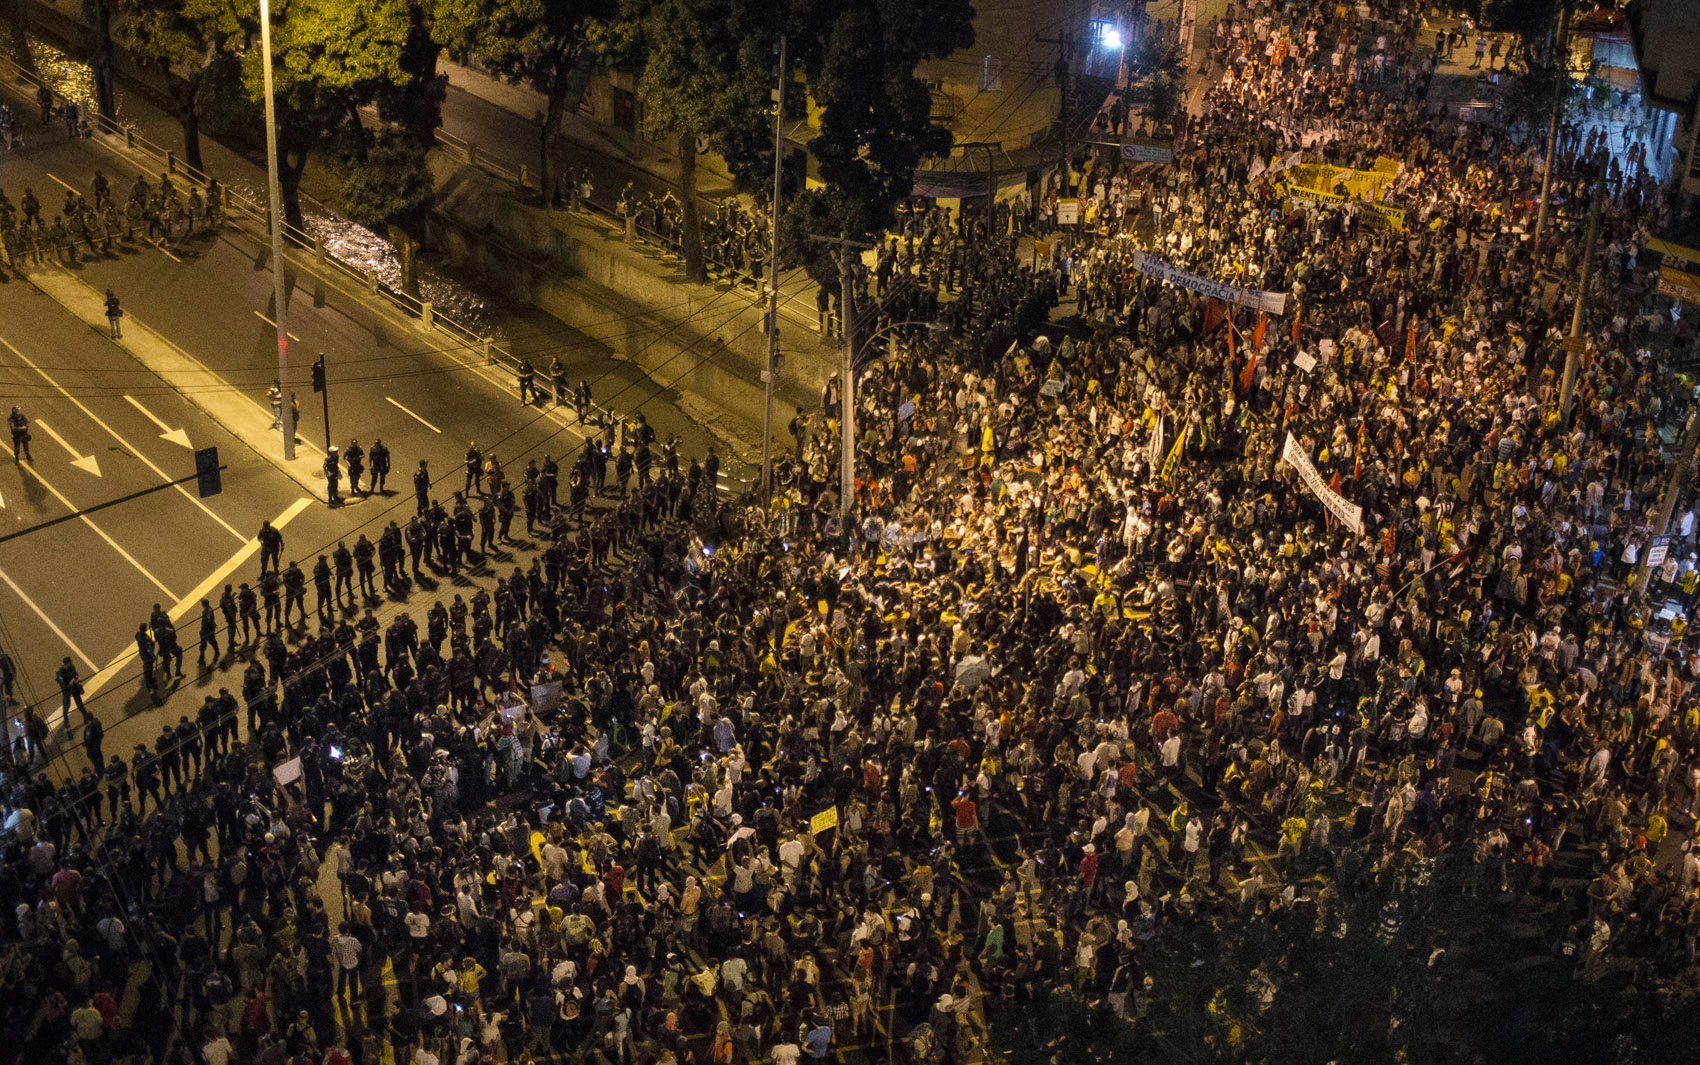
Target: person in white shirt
217,1051
345,949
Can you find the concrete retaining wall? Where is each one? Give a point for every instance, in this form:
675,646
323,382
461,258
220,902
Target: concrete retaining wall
703,339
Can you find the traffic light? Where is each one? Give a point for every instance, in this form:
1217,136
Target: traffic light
206,472
319,375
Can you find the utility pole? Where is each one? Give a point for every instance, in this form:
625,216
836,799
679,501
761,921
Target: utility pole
1064,43
847,391
274,193
324,392
1667,506
1574,344
767,377
1552,129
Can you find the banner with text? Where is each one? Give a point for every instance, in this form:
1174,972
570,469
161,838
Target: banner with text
1350,514
1679,284
1270,302
1393,216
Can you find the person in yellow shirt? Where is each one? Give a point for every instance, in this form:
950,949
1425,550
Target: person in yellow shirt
470,978
1292,841
1657,829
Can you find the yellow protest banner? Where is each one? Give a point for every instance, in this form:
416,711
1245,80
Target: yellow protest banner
826,819
1393,216
1385,165
1679,284
1358,183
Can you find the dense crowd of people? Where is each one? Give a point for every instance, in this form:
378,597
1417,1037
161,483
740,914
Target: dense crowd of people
725,782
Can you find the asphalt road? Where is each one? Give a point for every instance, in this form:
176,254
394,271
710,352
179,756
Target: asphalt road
104,429
81,587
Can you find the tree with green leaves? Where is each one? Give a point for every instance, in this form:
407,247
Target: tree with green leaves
708,69
188,43
415,103
390,191
1530,22
860,57
1156,78
331,58
550,45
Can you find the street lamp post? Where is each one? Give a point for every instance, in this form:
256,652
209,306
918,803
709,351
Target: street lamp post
274,195
767,377
853,355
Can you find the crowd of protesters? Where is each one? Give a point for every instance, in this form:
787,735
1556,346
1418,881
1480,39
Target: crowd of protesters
718,782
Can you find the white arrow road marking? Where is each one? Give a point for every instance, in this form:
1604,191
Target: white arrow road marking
86,463
184,492
86,520
176,436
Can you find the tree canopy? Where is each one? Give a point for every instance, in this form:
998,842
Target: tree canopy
549,45
330,59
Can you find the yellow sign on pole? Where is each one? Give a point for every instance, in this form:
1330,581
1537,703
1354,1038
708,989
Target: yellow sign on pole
1042,249
1679,284
826,819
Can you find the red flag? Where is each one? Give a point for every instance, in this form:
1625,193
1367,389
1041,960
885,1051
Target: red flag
1212,315
1411,341
1334,483
1358,454
1298,310
1257,333
1248,372
1231,355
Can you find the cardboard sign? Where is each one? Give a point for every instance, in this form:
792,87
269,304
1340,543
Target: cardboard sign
1305,361
826,819
546,698
287,772
1658,552
1051,389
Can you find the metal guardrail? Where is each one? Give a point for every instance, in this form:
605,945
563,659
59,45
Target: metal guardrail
520,176
237,208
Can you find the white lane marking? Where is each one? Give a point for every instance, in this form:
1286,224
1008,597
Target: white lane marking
201,591
160,246
86,463
86,520
176,436
412,415
182,491
65,183
42,614
273,324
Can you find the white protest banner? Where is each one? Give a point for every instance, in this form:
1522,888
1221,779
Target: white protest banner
1269,302
1350,514
1154,452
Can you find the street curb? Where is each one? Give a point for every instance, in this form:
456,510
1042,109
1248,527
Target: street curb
235,411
